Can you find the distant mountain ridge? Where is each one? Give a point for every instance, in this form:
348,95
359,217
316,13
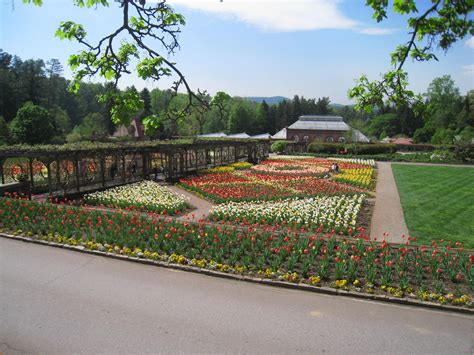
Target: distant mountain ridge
271,100
275,100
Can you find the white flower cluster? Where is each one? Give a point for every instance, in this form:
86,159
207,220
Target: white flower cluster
331,212
148,194
370,162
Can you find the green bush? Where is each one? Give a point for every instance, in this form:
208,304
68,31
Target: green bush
279,147
330,148
32,125
372,149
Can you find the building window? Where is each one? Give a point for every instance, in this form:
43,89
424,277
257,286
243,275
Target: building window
341,139
306,139
330,139
296,138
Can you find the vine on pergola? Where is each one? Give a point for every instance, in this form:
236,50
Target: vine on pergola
442,24
113,55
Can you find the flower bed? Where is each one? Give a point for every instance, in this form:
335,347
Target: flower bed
438,273
145,196
246,186
337,213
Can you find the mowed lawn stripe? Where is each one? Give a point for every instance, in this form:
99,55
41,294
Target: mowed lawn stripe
437,202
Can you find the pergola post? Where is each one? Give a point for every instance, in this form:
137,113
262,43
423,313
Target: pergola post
145,166
58,175
124,169
102,171
2,174
76,172
50,182
30,168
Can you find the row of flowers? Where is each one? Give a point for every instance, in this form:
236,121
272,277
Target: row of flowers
296,166
363,177
144,196
440,273
227,168
370,162
336,213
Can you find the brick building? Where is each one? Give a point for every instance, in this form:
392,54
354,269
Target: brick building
329,129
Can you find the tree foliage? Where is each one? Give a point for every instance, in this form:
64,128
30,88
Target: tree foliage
32,125
147,35
434,24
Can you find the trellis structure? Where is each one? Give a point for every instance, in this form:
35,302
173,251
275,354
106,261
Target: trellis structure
72,168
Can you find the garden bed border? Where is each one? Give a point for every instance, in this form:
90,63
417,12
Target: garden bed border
248,278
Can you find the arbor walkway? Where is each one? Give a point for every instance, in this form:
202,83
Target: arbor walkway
388,214
202,206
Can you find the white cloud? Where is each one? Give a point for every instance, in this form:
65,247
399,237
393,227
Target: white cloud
377,31
278,15
470,42
468,69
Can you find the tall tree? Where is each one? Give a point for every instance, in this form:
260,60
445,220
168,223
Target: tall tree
4,131
444,102
322,106
54,70
221,101
146,98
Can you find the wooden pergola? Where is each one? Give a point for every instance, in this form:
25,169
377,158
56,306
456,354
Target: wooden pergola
72,168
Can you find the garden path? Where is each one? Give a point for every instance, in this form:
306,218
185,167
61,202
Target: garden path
202,206
388,213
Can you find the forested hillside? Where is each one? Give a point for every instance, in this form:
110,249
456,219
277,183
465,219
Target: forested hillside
34,98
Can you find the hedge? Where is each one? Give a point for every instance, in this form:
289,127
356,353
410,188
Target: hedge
335,148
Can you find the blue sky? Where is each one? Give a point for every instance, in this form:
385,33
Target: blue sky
312,48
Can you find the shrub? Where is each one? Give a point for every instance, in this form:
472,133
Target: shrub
32,125
372,148
279,147
331,148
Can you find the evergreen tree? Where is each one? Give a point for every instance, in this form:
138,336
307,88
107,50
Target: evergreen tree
145,95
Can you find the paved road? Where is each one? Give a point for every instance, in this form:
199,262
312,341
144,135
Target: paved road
388,213
59,301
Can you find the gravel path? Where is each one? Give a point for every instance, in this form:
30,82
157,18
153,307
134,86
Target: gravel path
202,206
388,213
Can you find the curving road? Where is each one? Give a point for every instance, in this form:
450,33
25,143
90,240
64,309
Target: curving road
58,301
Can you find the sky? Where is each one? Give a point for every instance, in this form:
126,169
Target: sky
311,48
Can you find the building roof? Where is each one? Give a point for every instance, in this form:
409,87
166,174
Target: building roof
280,134
262,136
238,135
402,140
320,123
358,136
138,131
213,135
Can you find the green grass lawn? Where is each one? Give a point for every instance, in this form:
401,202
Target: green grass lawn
438,202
